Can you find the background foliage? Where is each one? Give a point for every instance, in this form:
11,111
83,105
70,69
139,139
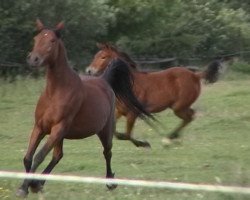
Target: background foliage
144,28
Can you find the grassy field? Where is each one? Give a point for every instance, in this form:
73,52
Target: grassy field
215,148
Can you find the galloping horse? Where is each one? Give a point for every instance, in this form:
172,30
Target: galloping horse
176,88
73,107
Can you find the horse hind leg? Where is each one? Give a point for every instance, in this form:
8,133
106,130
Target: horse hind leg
187,116
106,136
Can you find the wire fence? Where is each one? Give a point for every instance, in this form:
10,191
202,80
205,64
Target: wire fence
10,70
129,182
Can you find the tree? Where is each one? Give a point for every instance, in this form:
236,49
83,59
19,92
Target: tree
179,28
185,29
85,21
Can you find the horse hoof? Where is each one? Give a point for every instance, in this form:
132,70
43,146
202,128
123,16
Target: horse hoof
21,193
139,143
166,142
145,144
177,141
111,186
36,186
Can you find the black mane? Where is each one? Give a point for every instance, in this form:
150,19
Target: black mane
127,58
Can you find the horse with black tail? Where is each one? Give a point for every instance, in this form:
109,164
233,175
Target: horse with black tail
176,88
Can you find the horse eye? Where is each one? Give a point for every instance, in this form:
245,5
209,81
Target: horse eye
104,57
53,40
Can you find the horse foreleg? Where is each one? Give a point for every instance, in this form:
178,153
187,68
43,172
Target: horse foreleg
35,139
37,185
130,125
54,138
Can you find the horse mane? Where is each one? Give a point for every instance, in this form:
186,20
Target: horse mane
127,58
121,54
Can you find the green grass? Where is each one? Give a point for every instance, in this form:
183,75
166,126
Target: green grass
214,150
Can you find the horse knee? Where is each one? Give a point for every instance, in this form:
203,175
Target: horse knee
39,158
60,156
190,114
107,154
27,163
57,158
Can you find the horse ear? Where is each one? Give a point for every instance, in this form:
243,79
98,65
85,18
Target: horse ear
39,25
100,45
107,45
60,26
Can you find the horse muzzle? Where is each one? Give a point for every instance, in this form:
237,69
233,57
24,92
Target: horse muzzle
34,59
91,71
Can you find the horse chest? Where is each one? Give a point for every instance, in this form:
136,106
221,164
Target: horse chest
52,114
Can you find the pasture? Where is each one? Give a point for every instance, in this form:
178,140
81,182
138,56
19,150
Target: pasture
214,149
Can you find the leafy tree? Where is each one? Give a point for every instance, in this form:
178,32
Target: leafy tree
85,21
160,28
180,28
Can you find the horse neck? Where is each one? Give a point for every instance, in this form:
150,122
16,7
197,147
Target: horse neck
59,74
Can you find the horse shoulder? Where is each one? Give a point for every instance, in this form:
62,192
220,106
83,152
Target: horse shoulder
41,107
52,109
140,85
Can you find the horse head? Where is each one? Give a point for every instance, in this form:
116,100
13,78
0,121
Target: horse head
102,58
46,45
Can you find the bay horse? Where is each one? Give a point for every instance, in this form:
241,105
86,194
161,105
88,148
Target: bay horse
73,107
176,88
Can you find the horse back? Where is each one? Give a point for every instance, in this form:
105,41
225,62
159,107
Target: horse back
162,89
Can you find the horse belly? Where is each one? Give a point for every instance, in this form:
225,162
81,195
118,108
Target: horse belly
89,121
75,134
158,100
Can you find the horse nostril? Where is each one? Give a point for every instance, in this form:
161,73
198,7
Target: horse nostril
36,59
88,71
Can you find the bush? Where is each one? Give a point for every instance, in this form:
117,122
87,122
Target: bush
241,66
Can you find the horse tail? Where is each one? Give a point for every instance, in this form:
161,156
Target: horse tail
211,73
120,78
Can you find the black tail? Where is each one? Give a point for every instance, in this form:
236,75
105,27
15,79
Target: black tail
211,74
120,78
